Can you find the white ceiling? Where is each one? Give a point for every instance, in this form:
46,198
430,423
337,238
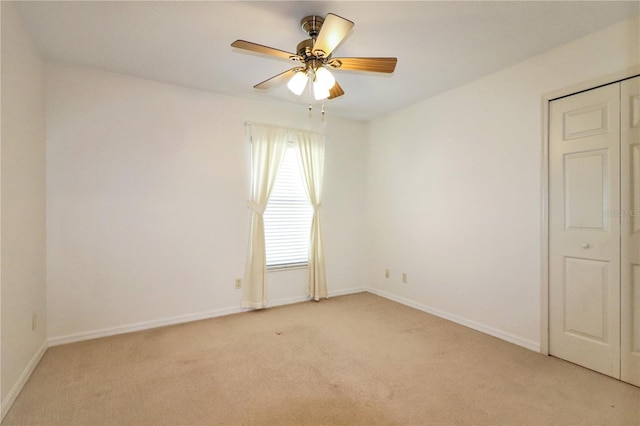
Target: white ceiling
439,45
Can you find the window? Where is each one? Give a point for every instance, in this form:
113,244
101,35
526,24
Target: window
287,218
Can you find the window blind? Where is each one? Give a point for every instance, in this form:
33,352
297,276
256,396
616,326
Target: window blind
287,218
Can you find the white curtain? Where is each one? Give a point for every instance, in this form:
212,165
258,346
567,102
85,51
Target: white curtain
268,147
311,155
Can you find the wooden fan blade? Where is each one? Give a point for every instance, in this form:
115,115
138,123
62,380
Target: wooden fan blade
386,65
265,50
277,79
335,91
333,31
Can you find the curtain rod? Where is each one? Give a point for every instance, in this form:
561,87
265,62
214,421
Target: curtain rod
273,126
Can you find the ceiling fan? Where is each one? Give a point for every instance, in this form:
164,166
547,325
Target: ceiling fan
314,58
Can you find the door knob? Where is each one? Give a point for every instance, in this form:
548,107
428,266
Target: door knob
585,245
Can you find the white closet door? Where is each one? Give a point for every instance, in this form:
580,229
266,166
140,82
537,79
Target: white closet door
630,228
584,251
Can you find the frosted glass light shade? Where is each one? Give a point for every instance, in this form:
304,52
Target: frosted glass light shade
298,82
319,92
324,78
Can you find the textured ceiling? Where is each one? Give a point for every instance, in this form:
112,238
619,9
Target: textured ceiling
439,45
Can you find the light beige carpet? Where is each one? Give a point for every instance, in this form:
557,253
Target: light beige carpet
357,359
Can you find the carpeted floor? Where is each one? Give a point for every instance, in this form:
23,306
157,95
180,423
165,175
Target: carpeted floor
357,359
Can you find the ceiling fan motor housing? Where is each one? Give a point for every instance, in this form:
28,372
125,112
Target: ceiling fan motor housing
311,25
305,49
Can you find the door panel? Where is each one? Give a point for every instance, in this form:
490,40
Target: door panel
586,182
586,286
584,234
588,121
630,230
634,187
635,313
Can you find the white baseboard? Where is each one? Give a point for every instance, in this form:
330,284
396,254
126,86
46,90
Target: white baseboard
285,301
94,334
128,328
298,299
17,387
516,340
346,291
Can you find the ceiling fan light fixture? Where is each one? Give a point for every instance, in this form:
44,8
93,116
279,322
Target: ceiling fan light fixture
319,92
324,78
298,82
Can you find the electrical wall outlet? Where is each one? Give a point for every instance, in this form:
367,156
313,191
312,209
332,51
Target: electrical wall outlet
238,282
387,274
404,277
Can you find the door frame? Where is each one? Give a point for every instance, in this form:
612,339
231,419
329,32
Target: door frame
544,193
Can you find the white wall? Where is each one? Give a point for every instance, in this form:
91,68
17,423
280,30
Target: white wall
454,189
147,186
23,292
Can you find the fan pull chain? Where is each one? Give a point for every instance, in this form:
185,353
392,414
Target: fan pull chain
322,110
